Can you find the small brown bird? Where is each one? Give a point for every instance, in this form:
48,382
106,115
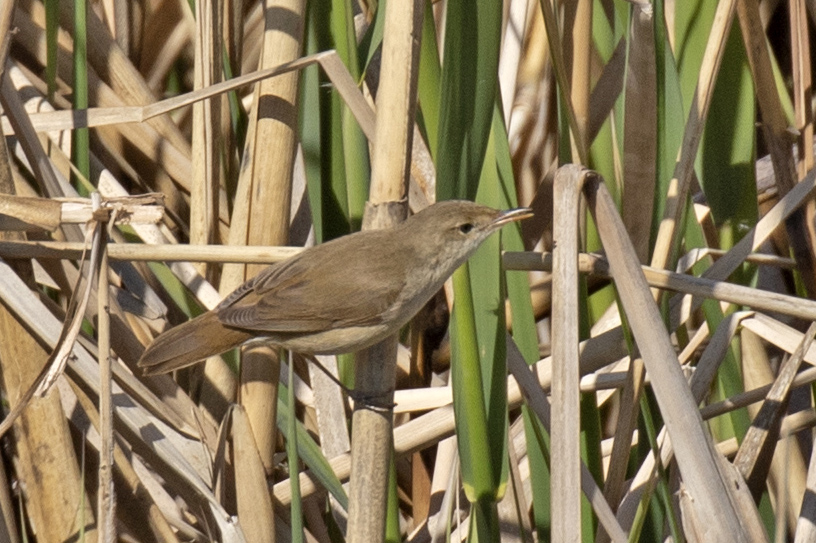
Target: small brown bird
341,296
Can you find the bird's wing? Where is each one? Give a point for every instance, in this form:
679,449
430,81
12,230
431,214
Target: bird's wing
291,297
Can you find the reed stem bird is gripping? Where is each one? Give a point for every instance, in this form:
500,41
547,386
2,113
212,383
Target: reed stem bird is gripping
341,296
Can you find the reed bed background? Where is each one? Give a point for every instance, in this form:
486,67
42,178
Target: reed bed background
633,363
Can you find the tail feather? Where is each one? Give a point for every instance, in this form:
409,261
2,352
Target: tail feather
189,343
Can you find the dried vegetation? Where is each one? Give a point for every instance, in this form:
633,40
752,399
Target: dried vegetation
155,153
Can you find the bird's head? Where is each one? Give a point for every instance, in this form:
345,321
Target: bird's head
456,228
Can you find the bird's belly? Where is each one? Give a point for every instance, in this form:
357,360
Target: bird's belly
339,341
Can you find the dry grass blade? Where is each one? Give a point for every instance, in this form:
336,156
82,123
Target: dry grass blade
159,253
802,81
577,54
144,515
430,428
102,116
116,69
106,496
749,243
752,396
70,329
714,353
685,263
640,129
788,470
538,402
179,458
775,125
330,411
753,459
624,429
47,462
694,450
512,508
701,380
698,287
422,168
24,130
806,526
560,67
779,334
6,16
511,53
566,423
607,90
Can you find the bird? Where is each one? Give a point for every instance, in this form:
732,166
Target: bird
341,296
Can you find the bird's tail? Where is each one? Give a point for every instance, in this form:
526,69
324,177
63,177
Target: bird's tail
190,342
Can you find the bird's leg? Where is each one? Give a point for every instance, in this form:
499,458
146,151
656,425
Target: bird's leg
330,375
364,400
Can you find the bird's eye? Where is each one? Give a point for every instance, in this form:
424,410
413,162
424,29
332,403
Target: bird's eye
465,228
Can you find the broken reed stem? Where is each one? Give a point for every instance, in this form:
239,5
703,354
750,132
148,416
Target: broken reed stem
106,496
588,263
518,261
158,253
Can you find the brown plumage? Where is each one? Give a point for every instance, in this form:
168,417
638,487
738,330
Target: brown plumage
341,296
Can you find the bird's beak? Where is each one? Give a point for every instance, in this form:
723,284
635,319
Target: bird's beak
512,215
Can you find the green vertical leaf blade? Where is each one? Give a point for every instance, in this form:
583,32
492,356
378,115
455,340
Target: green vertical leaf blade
80,146
309,451
468,400
469,80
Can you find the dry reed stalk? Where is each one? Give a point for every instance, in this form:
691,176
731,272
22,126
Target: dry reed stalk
371,440
47,464
765,227
106,496
566,421
143,514
430,428
164,454
162,164
787,472
714,510
805,527
511,54
699,287
802,81
578,53
262,210
629,409
646,477
754,457
559,64
165,164
116,70
513,508
330,412
538,402
254,503
206,176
